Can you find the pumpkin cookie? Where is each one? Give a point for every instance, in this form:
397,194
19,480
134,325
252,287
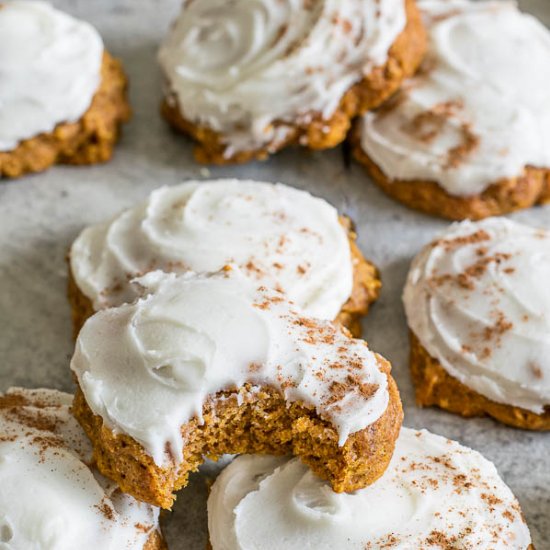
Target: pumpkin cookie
52,496
62,98
434,494
247,79
469,135
477,303
279,236
210,364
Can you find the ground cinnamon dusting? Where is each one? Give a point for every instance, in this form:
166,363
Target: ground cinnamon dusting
106,510
466,279
437,538
427,125
535,370
450,244
470,142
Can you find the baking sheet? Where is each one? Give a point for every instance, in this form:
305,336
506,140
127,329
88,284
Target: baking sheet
41,215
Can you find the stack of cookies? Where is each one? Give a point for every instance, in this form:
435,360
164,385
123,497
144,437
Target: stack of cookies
224,317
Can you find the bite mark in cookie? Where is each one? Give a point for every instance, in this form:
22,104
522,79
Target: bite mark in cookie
212,364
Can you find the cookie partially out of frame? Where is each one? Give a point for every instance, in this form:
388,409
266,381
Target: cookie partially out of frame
313,69
210,364
65,103
477,303
434,494
52,496
279,236
467,137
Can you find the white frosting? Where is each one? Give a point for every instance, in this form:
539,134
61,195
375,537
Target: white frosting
478,111
147,368
434,494
49,496
50,69
279,236
237,68
478,300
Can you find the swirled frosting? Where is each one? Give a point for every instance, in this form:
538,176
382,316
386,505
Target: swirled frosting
237,68
50,497
279,236
434,494
478,301
478,110
50,69
148,368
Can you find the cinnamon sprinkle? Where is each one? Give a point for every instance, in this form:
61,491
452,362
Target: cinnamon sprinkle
106,510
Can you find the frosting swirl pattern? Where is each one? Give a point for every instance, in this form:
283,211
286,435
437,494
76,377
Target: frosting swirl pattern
435,493
50,497
50,68
147,368
478,301
279,236
468,120
237,68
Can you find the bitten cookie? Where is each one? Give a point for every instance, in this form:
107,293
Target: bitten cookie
478,307
62,98
211,364
469,135
248,78
279,236
51,496
434,494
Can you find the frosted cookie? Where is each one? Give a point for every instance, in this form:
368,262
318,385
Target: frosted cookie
279,236
51,496
248,78
62,98
212,364
435,494
478,307
469,136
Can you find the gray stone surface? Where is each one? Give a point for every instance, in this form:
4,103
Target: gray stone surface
40,216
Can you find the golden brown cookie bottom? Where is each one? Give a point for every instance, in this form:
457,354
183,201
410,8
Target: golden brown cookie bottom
434,386
88,141
155,542
404,57
366,285
365,291
529,189
263,423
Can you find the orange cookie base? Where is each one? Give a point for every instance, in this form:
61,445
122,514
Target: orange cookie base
88,141
263,423
404,58
529,189
434,386
366,285
81,306
365,291
155,542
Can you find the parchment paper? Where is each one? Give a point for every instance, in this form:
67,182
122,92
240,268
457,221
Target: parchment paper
41,215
